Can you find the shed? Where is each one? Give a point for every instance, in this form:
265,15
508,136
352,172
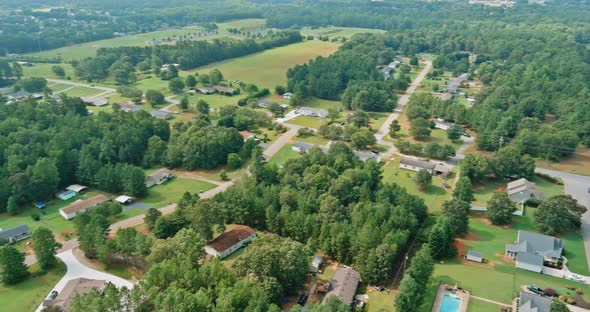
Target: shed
65,195
77,188
124,200
316,263
474,256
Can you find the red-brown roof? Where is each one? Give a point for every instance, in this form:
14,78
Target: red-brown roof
84,204
246,134
224,89
231,237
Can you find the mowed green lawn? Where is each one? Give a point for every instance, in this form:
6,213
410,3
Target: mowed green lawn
27,295
433,197
321,103
83,91
170,192
284,154
269,68
44,70
483,192
332,31
214,100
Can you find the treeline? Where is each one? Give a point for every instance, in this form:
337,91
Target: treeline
350,74
124,61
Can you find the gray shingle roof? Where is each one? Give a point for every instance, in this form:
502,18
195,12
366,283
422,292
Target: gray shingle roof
14,231
343,285
417,163
528,302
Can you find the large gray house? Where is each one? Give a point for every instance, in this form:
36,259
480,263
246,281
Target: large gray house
532,250
521,190
15,234
528,302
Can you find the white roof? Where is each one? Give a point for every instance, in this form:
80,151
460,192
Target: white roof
76,188
123,199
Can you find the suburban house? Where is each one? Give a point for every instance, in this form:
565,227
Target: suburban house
443,96
312,112
207,90
165,66
247,135
440,123
301,147
343,285
364,156
124,200
470,101
474,256
78,286
95,101
160,114
417,165
129,107
521,190
532,250
81,205
263,103
528,302
15,234
224,90
386,72
158,177
77,188
230,241
454,83
316,263
287,96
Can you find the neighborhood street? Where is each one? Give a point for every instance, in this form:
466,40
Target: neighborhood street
79,84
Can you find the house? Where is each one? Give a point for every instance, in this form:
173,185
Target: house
15,234
158,177
312,112
94,101
443,96
521,190
224,90
129,107
532,250
124,200
440,123
247,135
455,83
528,302
441,169
394,64
230,241
343,285
77,188
316,263
287,96
300,147
81,205
386,72
160,114
415,164
364,156
165,66
73,288
263,103
207,90
474,256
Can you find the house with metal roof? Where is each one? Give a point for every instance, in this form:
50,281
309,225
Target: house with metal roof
343,285
521,190
230,241
160,114
15,234
301,147
77,188
528,302
532,250
316,263
81,206
158,177
364,156
312,112
474,256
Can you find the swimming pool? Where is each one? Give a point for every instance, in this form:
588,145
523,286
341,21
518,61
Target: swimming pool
450,303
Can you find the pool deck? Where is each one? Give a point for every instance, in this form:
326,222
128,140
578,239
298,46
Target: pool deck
443,290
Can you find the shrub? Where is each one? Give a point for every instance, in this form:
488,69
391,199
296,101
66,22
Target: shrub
35,216
533,202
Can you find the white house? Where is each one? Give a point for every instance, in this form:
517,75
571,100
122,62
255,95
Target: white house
287,96
158,177
417,165
440,123
313,112
230,241
316,263
81,206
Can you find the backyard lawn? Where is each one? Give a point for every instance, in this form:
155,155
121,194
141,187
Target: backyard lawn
284,154
313,139
27,295
83,91
170,192
307,121
214,100
483,192
320,103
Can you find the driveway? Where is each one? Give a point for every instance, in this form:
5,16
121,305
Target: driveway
577,186
280,142
79,84
75,269
135,205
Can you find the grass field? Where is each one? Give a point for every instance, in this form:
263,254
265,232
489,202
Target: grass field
320,103
44,70
27,295
83,91
214,100
483,193
307,121
284,154
313,139
269,68
578,164
332,31
434,196
171,191
59,87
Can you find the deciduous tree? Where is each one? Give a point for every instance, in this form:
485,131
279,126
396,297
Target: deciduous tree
559,214
500,208
45,247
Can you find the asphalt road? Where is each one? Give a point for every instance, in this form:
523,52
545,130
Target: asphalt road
79,84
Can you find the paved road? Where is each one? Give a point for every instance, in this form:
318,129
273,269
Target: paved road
79,84
75,269
65,246
280,142
576,186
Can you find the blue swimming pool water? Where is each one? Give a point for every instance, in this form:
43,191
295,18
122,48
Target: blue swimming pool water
450,303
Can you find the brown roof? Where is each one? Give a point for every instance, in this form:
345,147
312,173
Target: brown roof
75,287
231,237
84,204
224,89
343,285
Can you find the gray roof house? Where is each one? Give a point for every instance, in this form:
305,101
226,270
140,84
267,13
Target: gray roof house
521,190
313,112
364,156
129,107
343,285
417,165
316,263
156,113
528,302
454,83
15,234
301,147
474,256
531,250
158,177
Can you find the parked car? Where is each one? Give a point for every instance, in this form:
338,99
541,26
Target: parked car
53,295
577,278
302,299
379,288
465,134
536,290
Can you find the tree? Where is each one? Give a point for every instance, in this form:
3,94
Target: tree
190,81
12,206
223,175
405,300
184,103
420,128
414,61
176,85
463,190
215,76
45,247
394,128
454,132
558,306
423,179
362,139
280,90
234,160
500,208
187,243
203,107
154,97
151,216
457,211
559,214
58,71
45,178
12,265
441,239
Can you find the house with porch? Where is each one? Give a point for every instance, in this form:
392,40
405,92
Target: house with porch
533,250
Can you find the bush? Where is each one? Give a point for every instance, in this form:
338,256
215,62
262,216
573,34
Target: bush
35,216
533,202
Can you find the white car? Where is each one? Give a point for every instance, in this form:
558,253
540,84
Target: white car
577,278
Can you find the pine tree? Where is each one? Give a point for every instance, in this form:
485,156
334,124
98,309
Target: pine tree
12,265
45,247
